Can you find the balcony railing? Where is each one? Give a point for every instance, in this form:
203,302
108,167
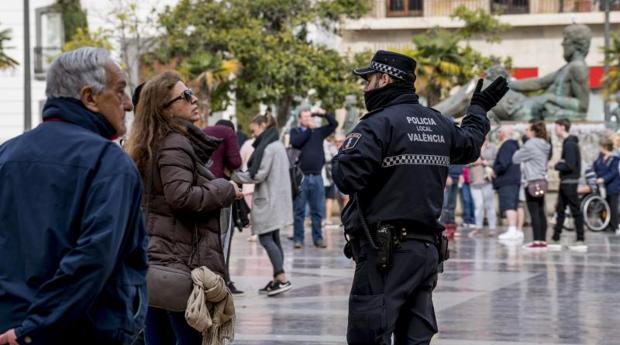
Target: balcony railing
438,8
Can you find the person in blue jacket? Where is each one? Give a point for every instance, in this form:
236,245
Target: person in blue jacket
72,236
606,169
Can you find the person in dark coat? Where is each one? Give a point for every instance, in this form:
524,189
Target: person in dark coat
606,169
309,140
395,164
225,160
183,199
569,167
507,182
73,239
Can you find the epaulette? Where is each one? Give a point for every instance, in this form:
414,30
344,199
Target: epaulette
371,113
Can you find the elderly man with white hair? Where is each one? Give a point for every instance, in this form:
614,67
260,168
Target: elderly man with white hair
72,236
507,182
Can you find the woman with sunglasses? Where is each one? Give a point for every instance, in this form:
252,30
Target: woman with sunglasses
182,199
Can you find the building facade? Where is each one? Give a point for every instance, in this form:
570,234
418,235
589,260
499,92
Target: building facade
533,42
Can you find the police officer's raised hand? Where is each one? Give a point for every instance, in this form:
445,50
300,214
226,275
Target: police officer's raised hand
489,97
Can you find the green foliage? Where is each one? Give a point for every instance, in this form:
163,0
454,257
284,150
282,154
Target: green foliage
84,38
74,18
269,38
445,58
612,57
479,22
5,60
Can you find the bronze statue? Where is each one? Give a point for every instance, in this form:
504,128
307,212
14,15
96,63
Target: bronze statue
352,113
566,91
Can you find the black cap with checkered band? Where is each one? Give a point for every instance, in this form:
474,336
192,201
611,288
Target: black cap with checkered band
393,64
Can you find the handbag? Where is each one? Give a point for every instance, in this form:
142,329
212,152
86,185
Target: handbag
168,288
537,188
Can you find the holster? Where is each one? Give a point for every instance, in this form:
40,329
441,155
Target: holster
385,242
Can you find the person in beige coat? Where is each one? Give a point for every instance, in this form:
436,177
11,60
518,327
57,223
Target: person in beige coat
272,204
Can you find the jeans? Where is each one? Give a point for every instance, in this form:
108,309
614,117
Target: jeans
169,328
568,197
484,200
313,193
449,204
468,205
536,206
271,242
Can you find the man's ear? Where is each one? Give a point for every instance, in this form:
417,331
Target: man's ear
88,97
385,79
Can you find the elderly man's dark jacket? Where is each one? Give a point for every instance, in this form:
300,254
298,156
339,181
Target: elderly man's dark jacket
72,236
396,161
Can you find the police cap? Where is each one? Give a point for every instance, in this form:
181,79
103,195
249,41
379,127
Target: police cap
393,64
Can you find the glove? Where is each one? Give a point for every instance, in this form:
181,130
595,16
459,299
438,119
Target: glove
489,97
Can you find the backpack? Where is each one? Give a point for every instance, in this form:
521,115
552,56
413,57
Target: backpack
295,173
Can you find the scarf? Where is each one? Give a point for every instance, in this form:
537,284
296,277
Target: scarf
204,145
72,110
210,308
381,97
269,136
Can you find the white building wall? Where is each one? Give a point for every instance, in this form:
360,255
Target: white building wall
12,80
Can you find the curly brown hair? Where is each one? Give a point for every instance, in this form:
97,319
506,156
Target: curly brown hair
150,123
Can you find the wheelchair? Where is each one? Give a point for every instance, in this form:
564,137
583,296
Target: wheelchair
594,207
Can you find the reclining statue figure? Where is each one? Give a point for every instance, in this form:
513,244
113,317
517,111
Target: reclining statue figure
565,93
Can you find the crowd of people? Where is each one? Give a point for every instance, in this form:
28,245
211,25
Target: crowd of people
516,174
163,207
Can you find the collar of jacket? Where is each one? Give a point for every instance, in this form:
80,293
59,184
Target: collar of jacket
402,99
72,110
204,145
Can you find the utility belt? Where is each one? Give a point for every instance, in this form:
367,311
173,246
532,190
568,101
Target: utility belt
387,236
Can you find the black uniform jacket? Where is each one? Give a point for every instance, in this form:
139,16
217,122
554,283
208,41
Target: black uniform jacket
396,162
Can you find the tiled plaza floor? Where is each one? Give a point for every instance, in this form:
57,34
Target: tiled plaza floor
489,294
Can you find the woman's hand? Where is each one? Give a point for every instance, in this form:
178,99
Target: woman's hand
238,192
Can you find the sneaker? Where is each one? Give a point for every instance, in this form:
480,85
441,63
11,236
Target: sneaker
618,231
535,246
554,245
279,287
233,289
511,234
298,245
320,244
579,246
266,289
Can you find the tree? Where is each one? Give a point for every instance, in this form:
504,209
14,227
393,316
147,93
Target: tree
5,60
99,38
445,58
73,17
612,57
271,41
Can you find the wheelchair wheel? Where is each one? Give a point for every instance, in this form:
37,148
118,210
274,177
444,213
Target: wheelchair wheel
596,213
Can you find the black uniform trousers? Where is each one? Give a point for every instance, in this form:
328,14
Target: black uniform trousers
396,302
568,197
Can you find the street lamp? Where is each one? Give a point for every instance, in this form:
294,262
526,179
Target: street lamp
27,76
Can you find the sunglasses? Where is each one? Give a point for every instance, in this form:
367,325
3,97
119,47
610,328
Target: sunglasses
187,95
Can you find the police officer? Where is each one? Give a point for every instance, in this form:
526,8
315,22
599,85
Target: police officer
394,164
